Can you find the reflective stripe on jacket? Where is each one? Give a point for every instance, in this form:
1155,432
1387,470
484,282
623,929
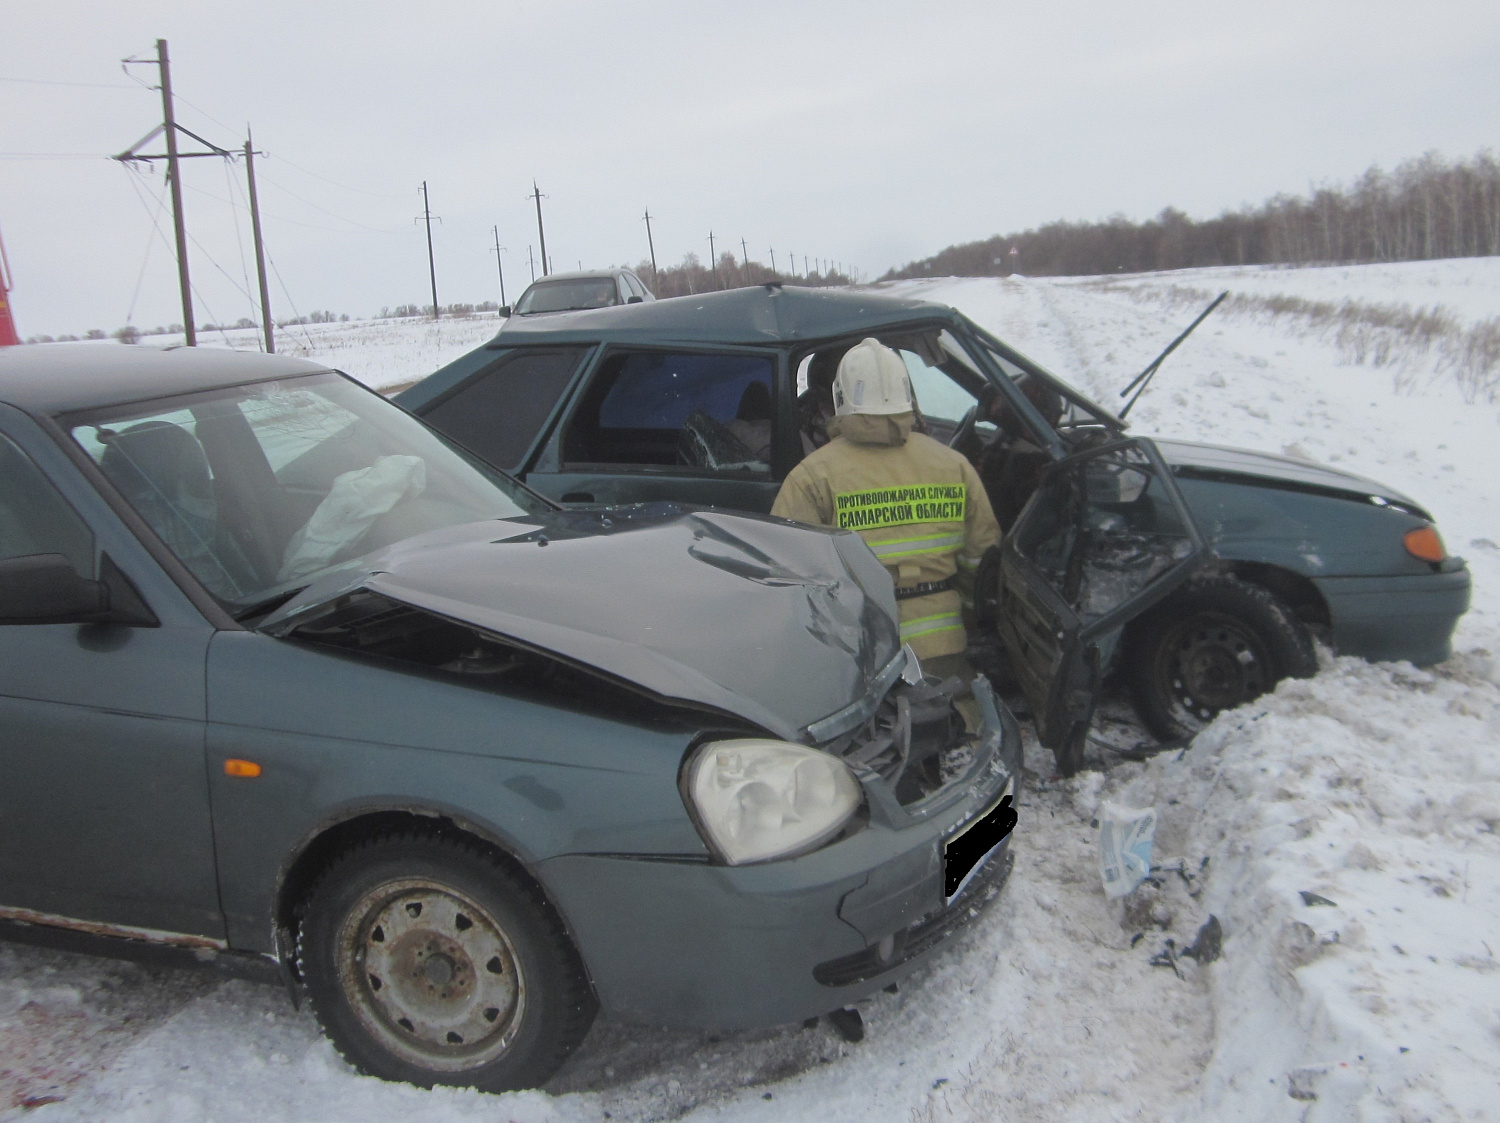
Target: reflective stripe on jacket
919,506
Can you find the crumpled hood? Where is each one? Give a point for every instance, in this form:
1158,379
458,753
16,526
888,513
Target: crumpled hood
777,624
1284,469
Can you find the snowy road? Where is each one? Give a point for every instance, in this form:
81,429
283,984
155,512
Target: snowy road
1375,788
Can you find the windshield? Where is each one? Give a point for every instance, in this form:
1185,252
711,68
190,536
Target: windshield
261,489
563,296
1078,409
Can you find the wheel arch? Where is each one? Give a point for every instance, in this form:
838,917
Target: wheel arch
323,846
1296,590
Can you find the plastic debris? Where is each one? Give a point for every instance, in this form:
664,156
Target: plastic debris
1125,838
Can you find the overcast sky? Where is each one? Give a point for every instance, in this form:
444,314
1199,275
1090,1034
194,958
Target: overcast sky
868,133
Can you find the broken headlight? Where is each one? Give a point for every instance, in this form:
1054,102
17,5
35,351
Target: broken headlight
759,799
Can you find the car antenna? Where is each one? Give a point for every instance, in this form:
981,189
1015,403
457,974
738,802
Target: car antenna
1143,379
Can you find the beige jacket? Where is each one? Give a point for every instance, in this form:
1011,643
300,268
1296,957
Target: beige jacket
918,505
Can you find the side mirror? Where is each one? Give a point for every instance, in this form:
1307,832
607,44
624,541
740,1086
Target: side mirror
45,589
504,311
635,300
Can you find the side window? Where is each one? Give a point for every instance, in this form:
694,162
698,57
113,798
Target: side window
497,415
709,411
35,518
159,466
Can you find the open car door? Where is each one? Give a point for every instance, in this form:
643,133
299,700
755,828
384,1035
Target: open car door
1105,536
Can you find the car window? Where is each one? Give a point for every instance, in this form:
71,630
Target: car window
35,518
936,394
1077,408
563,296
497,414
264,487
710,411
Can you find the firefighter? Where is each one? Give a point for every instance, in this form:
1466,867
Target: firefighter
918,504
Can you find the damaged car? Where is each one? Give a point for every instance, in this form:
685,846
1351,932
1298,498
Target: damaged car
293,683
1198,574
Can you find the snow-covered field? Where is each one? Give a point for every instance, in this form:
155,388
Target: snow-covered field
1375,788
380,353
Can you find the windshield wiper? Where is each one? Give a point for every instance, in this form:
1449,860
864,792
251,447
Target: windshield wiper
1144,378
264,607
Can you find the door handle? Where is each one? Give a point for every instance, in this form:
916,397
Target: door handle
578,497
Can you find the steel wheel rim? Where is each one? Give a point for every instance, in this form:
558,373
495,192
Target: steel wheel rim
1209,663
431,975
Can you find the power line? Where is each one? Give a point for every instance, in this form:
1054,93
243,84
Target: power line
239,240
51,156
155,233
82,85
331,214
336,183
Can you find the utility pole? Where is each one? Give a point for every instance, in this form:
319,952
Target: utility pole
260,246
170,128
744,255
530,264
655,277
773,258
169,122
712,260
431,265
540,233
500,267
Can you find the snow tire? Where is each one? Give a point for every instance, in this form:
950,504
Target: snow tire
1218,643
429,960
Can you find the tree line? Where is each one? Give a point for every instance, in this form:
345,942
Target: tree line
1427,208
692,276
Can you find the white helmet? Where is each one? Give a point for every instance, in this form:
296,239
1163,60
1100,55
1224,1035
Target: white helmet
872,379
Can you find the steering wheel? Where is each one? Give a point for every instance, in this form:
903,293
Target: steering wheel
965,431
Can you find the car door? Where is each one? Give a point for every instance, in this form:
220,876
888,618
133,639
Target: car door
1105,536
691,425
104,814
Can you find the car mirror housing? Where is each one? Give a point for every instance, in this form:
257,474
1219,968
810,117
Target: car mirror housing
505,311
636,300
45,589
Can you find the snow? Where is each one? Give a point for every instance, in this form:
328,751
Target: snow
1373,787
1467,288
379,353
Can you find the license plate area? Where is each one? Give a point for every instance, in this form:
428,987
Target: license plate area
975,843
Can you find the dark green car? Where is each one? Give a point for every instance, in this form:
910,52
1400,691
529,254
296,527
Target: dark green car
1200,573
292,684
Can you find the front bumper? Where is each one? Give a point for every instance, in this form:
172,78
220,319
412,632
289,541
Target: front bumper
693,945
1389,618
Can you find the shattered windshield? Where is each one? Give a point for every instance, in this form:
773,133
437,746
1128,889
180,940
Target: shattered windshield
260,489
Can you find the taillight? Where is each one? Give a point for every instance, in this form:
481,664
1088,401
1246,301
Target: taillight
1425,543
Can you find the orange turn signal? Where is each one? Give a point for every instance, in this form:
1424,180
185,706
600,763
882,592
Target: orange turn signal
244,769
1425,543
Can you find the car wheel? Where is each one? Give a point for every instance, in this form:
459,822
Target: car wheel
427,960
1215,645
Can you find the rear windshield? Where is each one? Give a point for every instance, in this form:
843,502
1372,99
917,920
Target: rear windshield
563,296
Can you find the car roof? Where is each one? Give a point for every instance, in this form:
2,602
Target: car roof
761,314
579,275
52,378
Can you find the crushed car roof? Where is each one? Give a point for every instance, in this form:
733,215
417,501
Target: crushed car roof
52,378
758,315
